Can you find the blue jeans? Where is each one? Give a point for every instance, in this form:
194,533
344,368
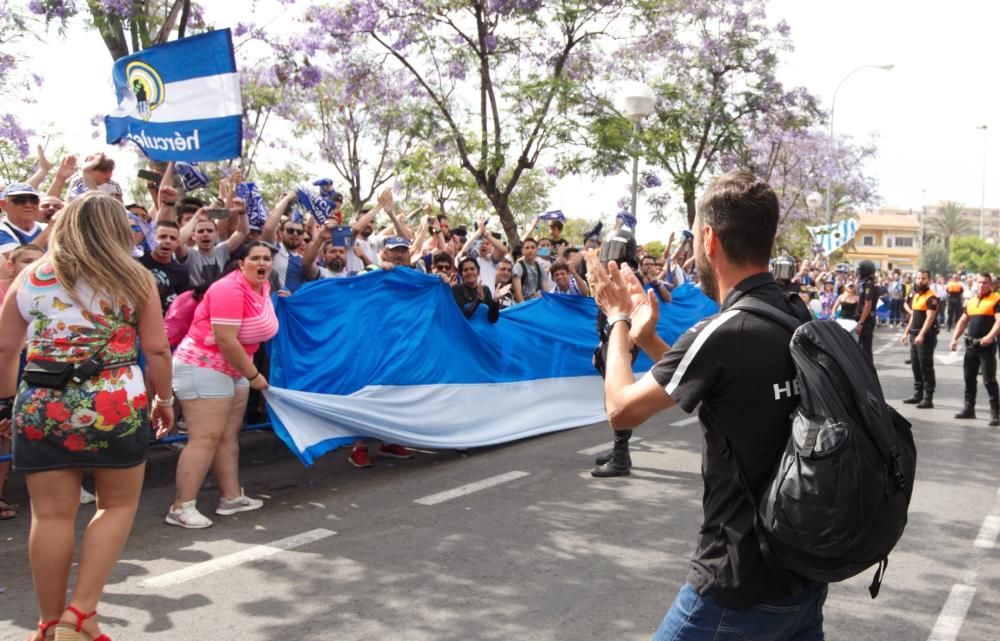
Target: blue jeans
694,617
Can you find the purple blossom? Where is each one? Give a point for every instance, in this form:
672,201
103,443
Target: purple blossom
53,9
490,41
12,131
96,120
309,76
552,170
650,180
120,8
242,28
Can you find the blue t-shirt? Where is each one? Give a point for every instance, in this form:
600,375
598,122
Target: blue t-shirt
11,237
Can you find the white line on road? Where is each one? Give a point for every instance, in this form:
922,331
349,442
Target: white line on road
991,527
447,495
597,449
228,561
949,622
687,421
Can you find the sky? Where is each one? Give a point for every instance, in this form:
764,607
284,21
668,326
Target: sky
922,114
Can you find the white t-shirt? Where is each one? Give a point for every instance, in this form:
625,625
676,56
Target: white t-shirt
487,273
12,236
372,247
327,273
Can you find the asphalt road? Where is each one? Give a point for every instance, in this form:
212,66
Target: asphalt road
545,553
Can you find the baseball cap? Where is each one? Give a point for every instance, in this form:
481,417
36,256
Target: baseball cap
396,241
20,189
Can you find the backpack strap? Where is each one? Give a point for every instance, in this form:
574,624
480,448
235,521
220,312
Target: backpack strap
760,308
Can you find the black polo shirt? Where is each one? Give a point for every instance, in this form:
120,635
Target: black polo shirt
738,367
867,290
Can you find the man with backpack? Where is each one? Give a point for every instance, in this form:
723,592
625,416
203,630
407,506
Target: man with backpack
529,277
737,366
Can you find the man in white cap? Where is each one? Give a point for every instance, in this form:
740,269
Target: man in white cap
20,226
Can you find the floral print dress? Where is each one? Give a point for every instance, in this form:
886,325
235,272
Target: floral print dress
100,423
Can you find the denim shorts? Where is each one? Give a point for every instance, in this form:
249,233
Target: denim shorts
193,383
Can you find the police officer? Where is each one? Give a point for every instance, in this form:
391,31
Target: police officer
921,333
738,369
981,322
867,295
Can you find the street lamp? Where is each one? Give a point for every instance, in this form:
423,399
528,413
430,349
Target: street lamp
814,200
833,107
636,100
982,203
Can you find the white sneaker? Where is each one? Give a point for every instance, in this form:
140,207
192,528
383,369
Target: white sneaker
86,498
188,516
241,503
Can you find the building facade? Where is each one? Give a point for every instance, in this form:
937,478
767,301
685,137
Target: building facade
890,240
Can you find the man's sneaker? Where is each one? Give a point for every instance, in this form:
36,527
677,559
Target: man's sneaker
86,498
395,451
359,456
188,516
241,503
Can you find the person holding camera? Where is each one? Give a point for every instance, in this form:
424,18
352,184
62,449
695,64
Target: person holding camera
208,259
981,324
82,402
738,369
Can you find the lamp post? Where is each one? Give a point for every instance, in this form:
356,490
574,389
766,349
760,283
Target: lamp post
636,101
833,107
813,201
982,202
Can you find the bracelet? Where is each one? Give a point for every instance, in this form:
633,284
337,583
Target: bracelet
166,204
163,402
254,376
618,319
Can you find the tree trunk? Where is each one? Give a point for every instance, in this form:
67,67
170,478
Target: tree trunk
689,201
502,207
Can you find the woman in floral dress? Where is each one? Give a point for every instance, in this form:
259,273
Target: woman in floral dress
86,298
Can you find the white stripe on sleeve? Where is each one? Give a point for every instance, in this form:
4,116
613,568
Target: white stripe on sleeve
692,351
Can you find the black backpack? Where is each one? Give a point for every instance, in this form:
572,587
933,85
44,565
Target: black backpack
837,501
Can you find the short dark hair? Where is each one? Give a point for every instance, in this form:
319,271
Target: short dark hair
743,211
291,221
467,259
560,265
529,239
558,224
168,223
988,276
441,257
647,256
924,271
441,217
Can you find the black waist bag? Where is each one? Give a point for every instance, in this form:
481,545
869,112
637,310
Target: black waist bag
48,374
837,502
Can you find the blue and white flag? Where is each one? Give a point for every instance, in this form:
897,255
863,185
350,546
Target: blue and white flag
180,100
555,214
252,200
192,177
389,355
314,203
830,238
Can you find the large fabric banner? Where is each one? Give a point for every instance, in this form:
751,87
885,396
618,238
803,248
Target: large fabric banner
180,100
830,238
389,355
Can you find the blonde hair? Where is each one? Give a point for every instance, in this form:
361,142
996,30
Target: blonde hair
92,241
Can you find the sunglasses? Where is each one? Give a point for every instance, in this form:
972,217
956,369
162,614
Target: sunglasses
136,228
294,232
444,267
22,199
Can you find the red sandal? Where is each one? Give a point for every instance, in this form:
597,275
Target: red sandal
43,629
68,632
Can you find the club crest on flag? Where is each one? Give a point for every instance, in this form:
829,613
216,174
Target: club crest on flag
147,86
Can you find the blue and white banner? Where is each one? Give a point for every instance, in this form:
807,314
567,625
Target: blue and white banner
389,355
191,176
313,202
180,100
830,238
253,201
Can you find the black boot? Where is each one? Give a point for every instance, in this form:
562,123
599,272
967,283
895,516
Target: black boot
606,456
927,402
918,395
619,465
994,412
969,410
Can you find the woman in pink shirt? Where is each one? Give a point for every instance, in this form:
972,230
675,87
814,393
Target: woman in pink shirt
213,373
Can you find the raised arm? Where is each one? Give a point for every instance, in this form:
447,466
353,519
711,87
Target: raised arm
66,170
44,167
309,267
269,232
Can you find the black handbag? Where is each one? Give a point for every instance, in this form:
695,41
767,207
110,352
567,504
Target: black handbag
48,374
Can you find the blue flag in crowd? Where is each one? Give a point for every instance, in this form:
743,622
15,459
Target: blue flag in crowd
555,214
314,203
180,100
830,238
192,177
627,219
389,355
256,211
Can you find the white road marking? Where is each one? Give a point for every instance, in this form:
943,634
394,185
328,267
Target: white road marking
228,561
949,622
597,449
447,495
687,421
991,528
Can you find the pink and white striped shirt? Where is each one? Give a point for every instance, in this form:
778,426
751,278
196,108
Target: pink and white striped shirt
231,300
